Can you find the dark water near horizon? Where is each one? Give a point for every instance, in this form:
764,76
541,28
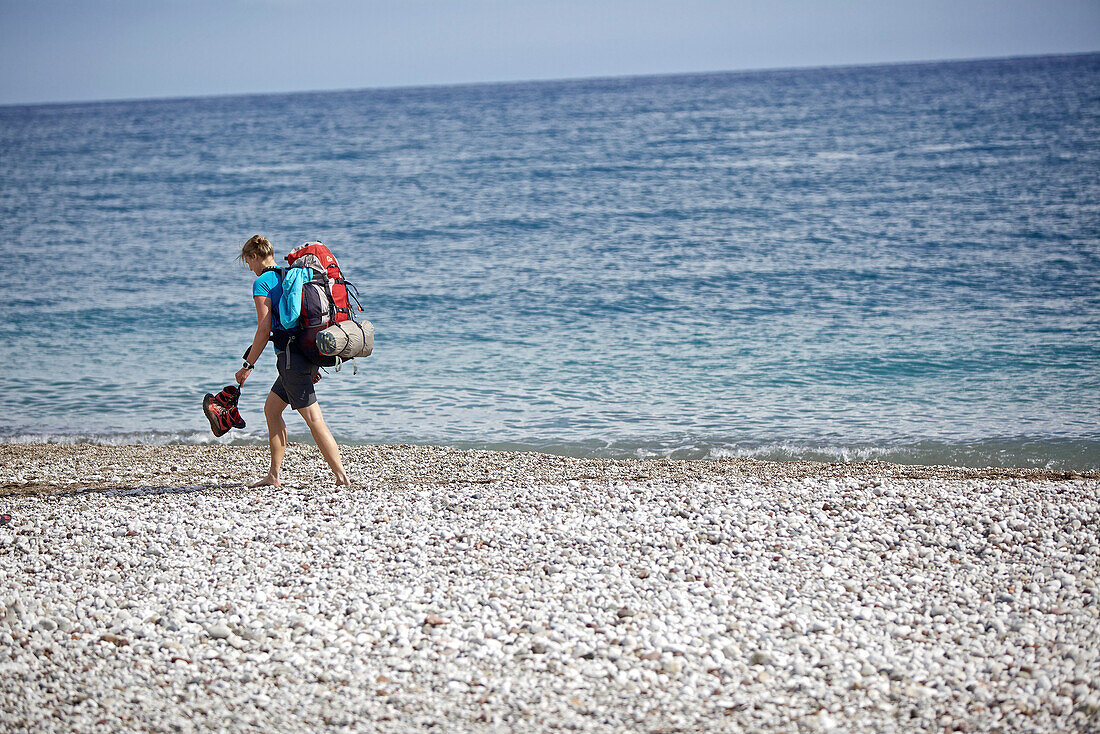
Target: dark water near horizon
898,262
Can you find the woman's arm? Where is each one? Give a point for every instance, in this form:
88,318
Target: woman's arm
263,333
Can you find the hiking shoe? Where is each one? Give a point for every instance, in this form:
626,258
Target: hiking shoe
228,396
234,417
215,413
221,410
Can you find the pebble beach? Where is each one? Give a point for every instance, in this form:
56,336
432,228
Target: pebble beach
147,588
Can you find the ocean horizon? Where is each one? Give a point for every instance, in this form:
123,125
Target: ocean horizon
894,262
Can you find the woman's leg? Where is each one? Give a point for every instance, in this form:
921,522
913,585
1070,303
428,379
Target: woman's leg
323,436
276,438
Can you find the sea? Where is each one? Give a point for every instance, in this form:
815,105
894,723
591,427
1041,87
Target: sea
896,263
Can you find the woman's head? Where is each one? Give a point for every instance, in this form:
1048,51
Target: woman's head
256,252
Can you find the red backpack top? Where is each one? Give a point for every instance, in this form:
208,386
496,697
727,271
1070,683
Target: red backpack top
325,258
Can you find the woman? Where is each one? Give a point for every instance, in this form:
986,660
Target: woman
294,386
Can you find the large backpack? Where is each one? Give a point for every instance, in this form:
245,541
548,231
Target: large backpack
324,300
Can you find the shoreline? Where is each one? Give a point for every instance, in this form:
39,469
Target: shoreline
146,589
30,469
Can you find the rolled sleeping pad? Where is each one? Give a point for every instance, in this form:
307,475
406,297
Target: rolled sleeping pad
347,340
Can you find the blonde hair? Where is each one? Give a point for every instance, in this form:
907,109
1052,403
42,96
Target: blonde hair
256,245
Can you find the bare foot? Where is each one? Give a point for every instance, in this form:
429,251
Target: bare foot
269,480
343,481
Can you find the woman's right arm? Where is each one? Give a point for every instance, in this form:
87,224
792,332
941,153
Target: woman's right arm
263,333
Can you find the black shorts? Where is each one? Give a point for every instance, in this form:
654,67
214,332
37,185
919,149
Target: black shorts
295,382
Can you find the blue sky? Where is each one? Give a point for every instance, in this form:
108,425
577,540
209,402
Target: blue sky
66,50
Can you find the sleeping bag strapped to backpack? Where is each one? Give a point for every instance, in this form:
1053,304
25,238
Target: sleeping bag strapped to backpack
315,297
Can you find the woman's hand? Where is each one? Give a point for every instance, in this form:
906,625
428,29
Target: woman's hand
242,375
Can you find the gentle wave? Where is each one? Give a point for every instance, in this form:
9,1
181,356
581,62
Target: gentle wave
128,438
1019,452
1065,456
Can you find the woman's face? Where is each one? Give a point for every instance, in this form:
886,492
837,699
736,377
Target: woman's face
254,263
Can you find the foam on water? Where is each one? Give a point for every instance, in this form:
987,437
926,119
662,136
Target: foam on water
1019,452
149,438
